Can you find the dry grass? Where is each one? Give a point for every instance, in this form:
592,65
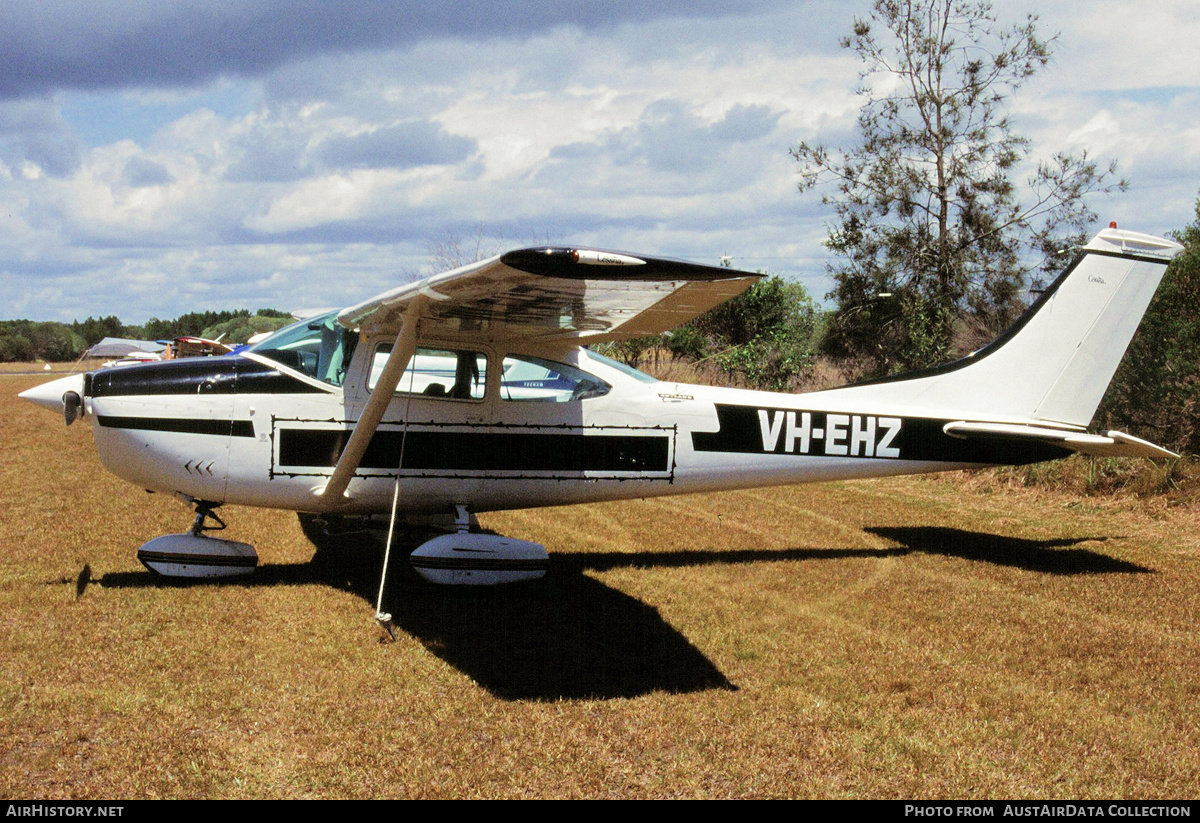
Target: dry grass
1169,482
39,368
894,638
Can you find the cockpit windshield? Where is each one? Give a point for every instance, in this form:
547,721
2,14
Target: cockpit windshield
319,347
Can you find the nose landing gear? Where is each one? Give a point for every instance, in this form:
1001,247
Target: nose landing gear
193,554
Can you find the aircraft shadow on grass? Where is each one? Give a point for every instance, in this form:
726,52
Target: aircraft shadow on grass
571,637
566,637
1045,556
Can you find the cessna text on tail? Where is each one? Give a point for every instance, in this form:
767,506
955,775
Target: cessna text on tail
473,390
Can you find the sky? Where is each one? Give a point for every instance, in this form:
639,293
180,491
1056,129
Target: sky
160,158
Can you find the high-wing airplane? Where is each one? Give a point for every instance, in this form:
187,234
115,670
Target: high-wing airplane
473,390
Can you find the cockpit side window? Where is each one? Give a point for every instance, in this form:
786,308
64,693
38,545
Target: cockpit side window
528,378
319,347
458,375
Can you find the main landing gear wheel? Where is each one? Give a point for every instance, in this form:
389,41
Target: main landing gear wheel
473,559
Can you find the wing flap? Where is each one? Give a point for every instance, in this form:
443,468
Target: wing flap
556,293
1109,444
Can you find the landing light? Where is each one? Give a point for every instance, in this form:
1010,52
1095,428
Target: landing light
604,258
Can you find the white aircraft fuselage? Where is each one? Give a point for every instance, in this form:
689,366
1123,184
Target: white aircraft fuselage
242,430
492,401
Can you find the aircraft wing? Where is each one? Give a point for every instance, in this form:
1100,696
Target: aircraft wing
569,294
1110,444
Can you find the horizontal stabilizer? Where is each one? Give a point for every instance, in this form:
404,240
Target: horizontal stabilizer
1110,444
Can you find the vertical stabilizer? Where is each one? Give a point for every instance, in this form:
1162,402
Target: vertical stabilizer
1056,361
1095,318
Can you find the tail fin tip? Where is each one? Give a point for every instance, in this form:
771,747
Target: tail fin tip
1121,241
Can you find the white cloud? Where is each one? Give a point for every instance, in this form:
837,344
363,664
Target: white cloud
1123,45
329,199
318,172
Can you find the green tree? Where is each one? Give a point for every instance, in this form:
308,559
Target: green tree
93,330
191,324
766,334
14,347
56,342
629,351
241,328
1155,393
930,223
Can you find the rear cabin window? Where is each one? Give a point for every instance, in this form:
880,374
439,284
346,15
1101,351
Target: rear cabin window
459,375
534,379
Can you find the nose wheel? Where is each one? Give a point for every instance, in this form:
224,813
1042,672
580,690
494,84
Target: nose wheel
194,554
206,511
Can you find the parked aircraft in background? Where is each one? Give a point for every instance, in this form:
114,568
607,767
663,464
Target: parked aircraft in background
126,352
121,348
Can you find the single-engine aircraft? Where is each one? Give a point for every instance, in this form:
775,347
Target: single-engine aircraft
473,390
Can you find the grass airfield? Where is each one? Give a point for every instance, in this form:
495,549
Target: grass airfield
945,637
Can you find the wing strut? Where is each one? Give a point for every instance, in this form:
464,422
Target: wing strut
402,352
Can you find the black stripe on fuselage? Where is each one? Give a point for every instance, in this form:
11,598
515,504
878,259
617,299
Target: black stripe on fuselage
195,376
481,451
183,425
757,430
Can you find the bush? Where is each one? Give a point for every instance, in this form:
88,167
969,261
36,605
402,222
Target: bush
766,335
1155,393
